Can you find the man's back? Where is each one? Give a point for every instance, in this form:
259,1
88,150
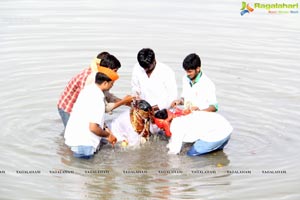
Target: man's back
89,107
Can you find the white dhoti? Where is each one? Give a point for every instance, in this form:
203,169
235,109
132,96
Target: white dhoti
122,129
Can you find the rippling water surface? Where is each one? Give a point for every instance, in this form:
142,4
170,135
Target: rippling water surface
253,60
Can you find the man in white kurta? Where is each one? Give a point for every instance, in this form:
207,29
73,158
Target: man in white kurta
86,124
209,130
201,94
159,87
89,107
198,91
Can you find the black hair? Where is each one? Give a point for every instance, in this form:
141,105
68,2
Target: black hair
161,114
144,105
146,57
191,61
102,55
110,62
100,78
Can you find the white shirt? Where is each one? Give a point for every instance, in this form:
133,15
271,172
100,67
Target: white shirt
207,126
91,78
159,89
89,108
202,94
122,129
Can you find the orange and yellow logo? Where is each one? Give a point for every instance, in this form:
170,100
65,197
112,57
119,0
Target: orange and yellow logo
246,8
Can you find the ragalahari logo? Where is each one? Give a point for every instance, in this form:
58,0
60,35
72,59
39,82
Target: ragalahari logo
246,8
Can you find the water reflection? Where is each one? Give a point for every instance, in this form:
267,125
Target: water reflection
144,173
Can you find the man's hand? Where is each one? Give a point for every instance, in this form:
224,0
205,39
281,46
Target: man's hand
176,103
127,100
111,138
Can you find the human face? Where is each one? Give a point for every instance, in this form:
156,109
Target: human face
151,68
109,85
192,73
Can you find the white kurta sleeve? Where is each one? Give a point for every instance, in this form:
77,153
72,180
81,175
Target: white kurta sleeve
90,79
184,86
211,95
96,109
171,87
135,85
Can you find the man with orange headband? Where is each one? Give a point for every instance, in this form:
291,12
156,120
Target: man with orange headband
86,124
86,77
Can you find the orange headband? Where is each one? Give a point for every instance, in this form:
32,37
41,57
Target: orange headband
108,72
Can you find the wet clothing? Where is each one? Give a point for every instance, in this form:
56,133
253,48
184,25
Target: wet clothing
89,108
122,129
133,126
64,116
83,151
201,147
209,127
